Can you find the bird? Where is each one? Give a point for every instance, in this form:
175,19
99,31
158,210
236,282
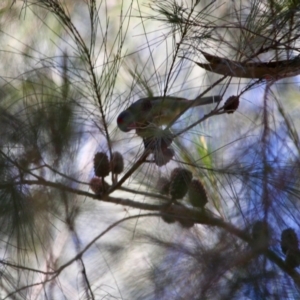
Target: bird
259,70
158,111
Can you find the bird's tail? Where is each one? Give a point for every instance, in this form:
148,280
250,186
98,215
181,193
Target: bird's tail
207,100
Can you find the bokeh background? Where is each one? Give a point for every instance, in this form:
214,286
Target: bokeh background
68,68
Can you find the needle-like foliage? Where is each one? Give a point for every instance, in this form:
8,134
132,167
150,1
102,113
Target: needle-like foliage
205,206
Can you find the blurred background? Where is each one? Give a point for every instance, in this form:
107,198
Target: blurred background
68,69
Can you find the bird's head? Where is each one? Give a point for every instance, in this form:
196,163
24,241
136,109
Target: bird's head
126,121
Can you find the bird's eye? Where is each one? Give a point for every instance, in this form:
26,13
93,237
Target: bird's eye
124,121
120,120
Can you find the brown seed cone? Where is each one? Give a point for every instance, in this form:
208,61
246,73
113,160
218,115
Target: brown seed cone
163,185
261,234
289,240
161,158
231,104
197,194
101,164
186,223
117,163
168,215
168,219
98,186
292,258
177,171
180,180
